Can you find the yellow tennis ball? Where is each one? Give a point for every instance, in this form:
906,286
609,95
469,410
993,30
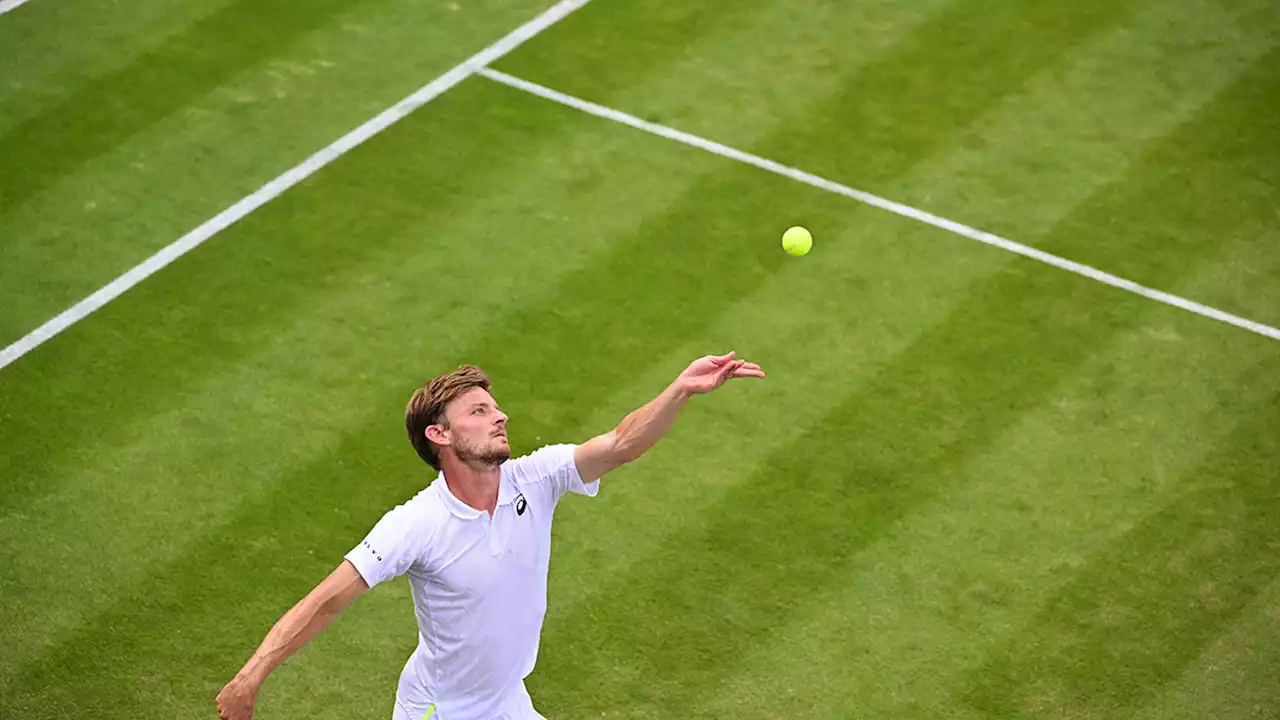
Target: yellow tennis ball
797,241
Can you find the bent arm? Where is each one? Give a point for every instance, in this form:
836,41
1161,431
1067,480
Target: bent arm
303,621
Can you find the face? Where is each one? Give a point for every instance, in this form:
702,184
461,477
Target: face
477,431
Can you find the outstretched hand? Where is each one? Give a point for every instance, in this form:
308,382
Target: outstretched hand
711,371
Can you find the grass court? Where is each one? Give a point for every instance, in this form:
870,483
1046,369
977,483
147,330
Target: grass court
974,485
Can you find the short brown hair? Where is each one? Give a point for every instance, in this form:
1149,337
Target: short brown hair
426,407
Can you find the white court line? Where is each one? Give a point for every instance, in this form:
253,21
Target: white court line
7,5
290,178
869,199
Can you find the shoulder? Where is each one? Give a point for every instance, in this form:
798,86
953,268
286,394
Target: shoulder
546,462
428,500
551,469
420,515
402,538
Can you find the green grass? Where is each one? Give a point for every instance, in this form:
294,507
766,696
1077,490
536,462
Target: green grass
973,486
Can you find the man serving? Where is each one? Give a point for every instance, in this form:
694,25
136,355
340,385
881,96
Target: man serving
476,546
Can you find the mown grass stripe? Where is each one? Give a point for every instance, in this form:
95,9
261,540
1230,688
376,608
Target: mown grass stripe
1131,620
102,114
45,69
1238,676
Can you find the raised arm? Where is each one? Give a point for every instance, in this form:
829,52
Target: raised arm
640,429
303,621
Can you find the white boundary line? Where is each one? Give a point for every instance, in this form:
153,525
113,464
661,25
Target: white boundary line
7,5
869,199
290,178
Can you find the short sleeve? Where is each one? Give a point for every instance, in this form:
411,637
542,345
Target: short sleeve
553,465
398,540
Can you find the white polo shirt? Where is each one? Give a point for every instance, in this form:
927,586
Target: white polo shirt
479,585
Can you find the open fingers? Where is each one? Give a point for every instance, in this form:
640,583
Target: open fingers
726,367
729,369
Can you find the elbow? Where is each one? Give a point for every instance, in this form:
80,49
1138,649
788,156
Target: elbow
333,596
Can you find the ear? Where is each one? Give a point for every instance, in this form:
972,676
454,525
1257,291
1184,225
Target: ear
437,434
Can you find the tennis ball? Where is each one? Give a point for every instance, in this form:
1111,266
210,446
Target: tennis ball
797,241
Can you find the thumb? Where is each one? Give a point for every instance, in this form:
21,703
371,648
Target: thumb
722,359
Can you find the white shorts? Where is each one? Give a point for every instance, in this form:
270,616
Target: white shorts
519,707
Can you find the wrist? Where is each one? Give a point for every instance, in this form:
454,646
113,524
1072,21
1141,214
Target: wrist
679,390
252,675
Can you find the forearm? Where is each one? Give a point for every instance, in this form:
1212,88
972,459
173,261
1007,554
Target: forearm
639,430
295,629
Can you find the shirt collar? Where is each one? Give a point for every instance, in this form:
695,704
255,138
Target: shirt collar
506,495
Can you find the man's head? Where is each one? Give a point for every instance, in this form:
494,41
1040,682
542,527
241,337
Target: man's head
454,414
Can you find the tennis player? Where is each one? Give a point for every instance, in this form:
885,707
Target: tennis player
475,545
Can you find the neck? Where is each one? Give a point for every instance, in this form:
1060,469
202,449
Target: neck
475,485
